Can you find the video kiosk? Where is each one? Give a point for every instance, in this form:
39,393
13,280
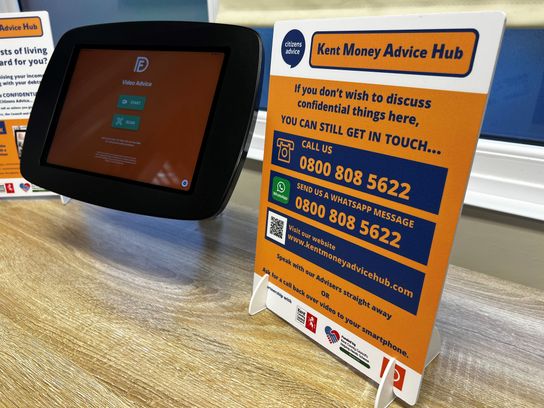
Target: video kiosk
147,117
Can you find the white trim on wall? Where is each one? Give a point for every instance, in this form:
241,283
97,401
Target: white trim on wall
508,177
256,149
213,9
505,177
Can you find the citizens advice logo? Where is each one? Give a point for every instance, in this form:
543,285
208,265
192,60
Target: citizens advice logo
292,48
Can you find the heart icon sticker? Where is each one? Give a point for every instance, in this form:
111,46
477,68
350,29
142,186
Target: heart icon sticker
25,187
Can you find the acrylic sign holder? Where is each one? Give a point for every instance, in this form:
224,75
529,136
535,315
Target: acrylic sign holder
386,393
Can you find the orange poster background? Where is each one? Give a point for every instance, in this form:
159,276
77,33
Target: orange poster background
451,126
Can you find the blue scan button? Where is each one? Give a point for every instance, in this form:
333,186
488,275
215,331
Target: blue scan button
127,122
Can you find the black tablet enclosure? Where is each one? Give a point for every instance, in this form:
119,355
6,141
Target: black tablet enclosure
147,117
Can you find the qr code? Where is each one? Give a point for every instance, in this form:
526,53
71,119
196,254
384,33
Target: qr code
276,227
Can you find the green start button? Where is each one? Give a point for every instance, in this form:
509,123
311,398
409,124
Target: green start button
133,102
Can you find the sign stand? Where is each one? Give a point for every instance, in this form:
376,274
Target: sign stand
386,393
65,200
257,302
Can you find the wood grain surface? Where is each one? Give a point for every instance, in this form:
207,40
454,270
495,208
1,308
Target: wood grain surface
99,308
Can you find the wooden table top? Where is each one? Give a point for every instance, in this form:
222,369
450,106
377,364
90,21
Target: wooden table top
99,308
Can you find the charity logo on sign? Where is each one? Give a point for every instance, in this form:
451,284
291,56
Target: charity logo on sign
292,48
10,189
332,335
25,187
311,322
400,373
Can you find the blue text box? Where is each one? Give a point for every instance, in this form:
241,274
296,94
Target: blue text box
426,181
385,278
416,238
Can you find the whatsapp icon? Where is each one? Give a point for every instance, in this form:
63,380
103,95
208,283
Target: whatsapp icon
280,189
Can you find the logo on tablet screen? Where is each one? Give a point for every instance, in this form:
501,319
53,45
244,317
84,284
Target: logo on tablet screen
142,63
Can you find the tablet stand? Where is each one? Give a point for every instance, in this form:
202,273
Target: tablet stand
386,393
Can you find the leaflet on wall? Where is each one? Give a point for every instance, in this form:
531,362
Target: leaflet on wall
372,126
25,47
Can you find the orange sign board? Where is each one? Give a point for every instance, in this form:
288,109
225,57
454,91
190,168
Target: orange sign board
26,45
366,163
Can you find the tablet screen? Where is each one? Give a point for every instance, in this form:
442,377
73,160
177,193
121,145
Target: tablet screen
138,115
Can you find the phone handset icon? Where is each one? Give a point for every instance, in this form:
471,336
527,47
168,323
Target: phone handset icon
284,149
